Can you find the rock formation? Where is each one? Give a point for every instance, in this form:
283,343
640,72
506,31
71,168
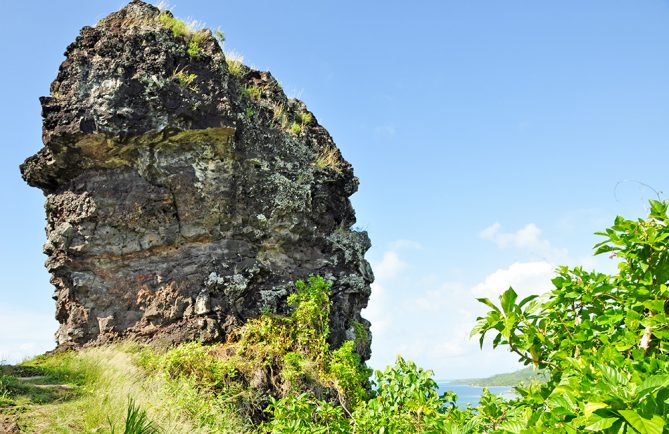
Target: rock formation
185,193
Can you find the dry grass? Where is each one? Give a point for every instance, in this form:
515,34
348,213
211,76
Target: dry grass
280,116
235,63
328,158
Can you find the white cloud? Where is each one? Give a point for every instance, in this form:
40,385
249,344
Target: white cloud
490,232
525,277
438,299
380,311
389,267
527,238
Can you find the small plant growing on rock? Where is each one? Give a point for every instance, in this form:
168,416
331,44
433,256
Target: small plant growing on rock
253,92
235,63
250,113
184,78
296,128
280,115
220,37
178,27
194,44
305,118
190,31
328,158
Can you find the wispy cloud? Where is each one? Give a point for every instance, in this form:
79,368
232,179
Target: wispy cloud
528,238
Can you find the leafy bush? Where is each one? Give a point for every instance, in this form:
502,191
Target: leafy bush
603,339
304,414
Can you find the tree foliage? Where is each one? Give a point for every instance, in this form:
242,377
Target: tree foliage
602,340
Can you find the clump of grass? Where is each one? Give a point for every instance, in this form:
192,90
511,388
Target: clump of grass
196,39
296,128
191,31
220,37
136,421
179,28
328,158
235,64
279,115
305,118
184,78
302,119
253,92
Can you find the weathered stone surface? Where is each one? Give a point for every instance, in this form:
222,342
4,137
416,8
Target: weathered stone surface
178,210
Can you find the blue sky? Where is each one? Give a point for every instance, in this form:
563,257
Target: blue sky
491,140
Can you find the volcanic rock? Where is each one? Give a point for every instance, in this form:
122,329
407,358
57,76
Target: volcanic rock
185,193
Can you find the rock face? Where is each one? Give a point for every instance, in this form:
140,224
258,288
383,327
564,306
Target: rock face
185,193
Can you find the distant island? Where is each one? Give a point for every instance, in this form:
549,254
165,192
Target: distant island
524,375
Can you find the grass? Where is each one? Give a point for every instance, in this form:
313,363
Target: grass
191,31
90,390
252,92
280,115
328,158
296,128
305,118
235,63
184,78
191,388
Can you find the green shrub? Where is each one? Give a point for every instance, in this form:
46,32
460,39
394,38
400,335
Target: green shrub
406,400
304,414
603,339
349,374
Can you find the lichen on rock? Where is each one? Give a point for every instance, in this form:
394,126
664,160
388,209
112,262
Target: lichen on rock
182,198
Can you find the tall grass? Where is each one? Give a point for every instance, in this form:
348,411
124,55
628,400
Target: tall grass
103,379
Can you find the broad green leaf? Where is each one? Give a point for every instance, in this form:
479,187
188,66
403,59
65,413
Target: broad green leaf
597,423
653,383
527,300
591,407
641,424
511,427
508,299
488,303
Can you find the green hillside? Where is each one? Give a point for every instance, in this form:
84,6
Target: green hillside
525,375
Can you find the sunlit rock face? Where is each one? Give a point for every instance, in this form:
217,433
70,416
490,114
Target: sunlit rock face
184,196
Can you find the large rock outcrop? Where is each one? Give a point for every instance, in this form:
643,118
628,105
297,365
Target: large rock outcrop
184,193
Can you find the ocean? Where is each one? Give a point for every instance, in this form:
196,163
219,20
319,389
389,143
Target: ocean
472,394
